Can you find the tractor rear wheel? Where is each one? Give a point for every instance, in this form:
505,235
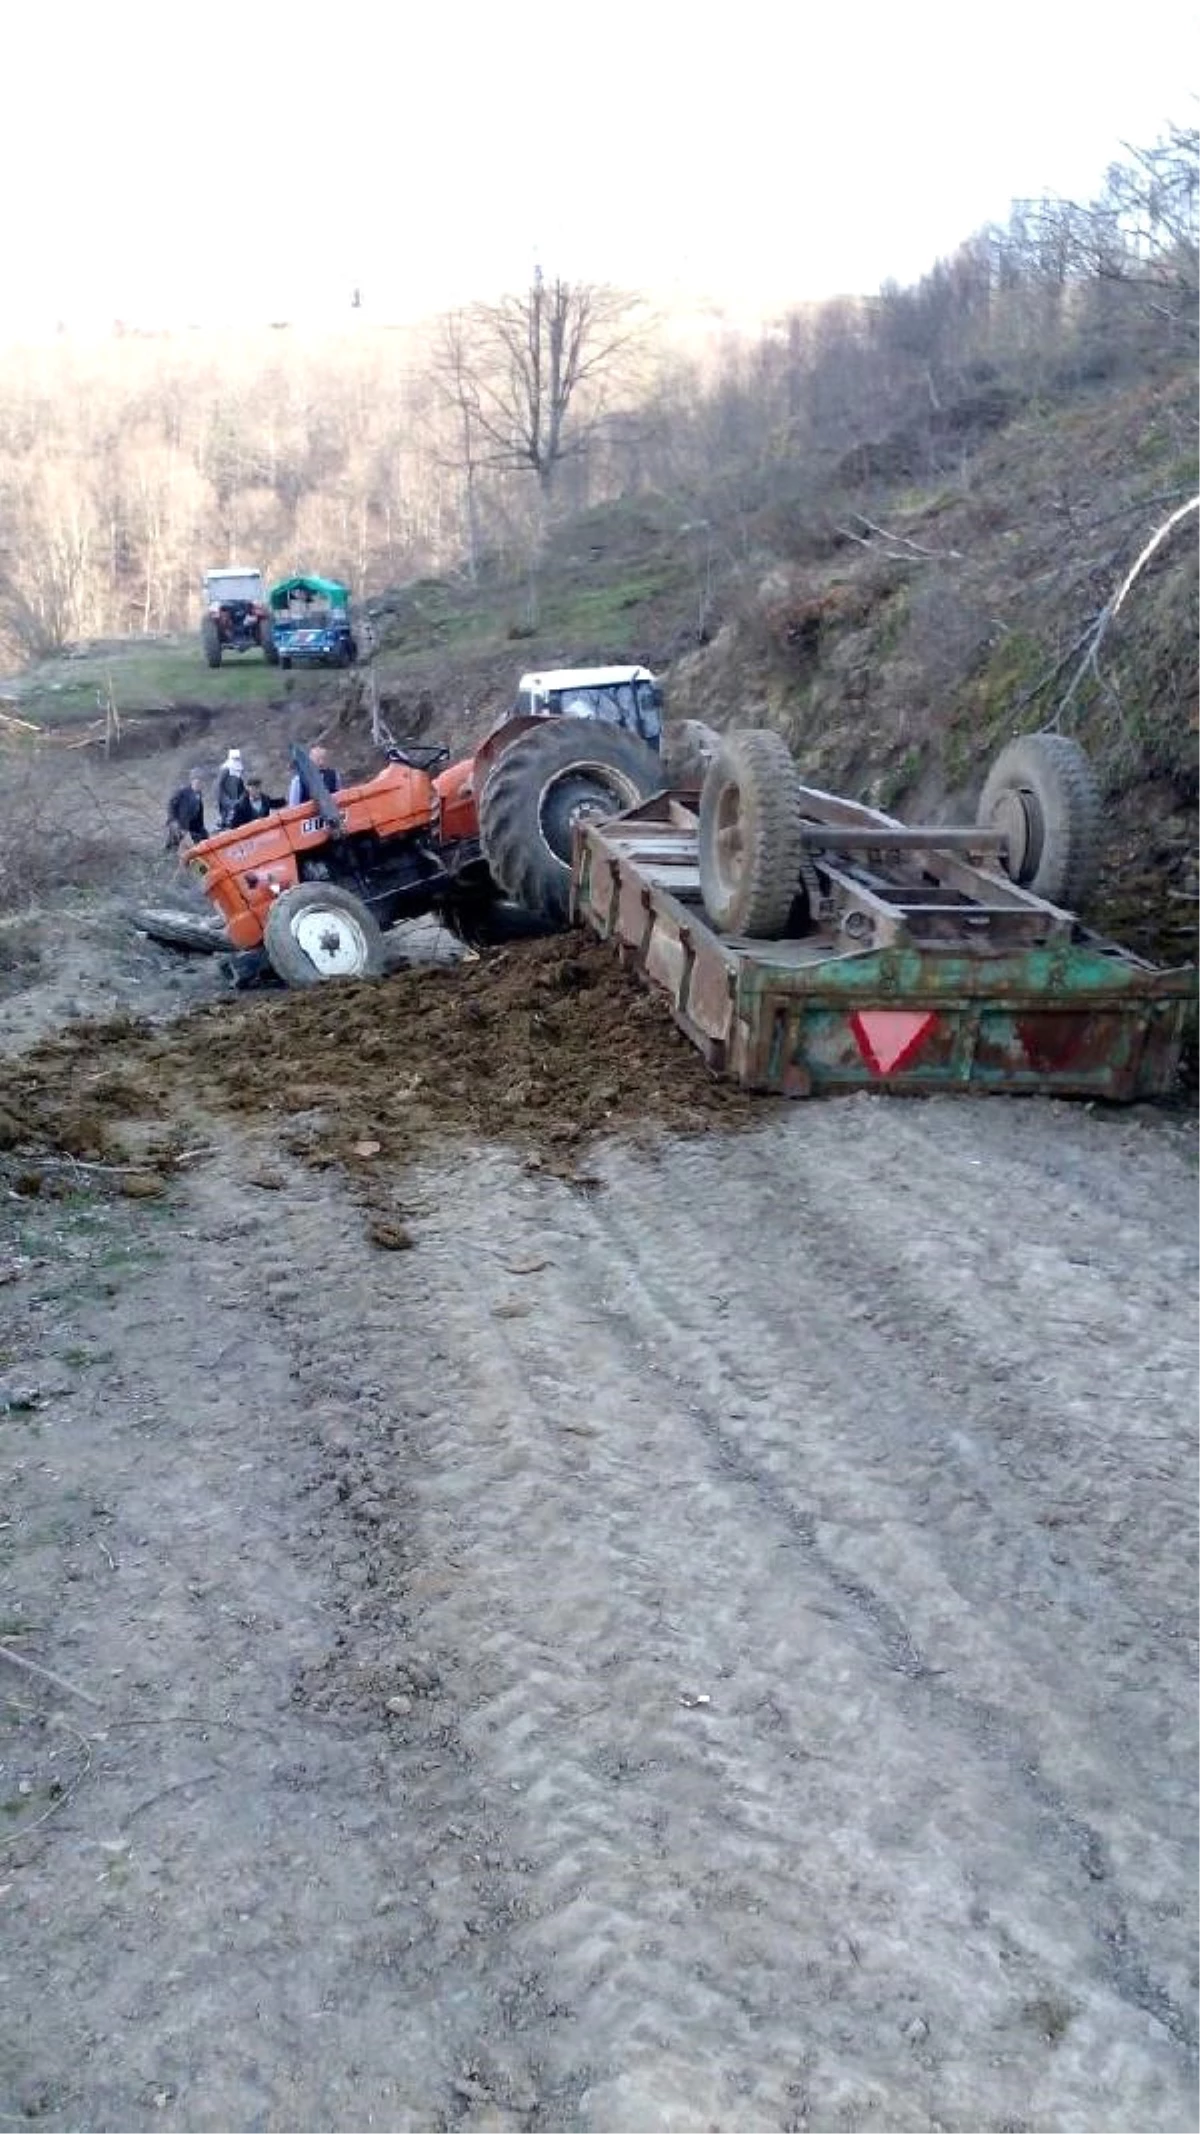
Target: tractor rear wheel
1042,792
552,777
317,931
210,638
750,834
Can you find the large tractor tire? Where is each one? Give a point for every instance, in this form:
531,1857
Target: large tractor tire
545,782
1042,792
210,638
266,638
750,834
178,929
317,931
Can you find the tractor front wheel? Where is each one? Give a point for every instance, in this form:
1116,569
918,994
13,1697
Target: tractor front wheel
266,638
317,931
210,638
552,777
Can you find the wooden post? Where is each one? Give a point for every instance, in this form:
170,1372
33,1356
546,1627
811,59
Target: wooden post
112,718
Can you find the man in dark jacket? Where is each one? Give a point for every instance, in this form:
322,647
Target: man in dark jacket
298,790
185,813
253,805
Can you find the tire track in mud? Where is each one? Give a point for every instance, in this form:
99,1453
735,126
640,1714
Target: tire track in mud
1003,1705
676,1713
285,1862
645,1347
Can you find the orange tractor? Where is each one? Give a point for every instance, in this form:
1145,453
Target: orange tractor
314,887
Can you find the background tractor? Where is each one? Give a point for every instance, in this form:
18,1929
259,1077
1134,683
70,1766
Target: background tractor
314,887
236,617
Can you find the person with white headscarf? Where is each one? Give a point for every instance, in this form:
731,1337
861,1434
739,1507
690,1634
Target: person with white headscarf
231,788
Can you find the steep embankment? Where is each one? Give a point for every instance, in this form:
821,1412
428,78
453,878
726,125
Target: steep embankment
917,625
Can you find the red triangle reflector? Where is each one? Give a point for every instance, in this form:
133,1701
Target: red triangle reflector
888,1037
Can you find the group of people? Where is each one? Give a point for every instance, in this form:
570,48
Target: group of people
240,799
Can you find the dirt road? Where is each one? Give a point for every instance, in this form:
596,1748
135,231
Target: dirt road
709,1650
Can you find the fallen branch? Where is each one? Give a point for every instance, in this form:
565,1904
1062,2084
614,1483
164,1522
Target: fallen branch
1051,674
1093,637
47,1674
120,1170
902,542
1142,503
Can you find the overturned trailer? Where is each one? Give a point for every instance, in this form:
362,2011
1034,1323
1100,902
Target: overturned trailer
909,958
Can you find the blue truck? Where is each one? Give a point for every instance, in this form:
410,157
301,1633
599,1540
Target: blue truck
311,624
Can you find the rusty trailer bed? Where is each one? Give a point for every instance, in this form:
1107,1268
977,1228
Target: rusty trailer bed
919,974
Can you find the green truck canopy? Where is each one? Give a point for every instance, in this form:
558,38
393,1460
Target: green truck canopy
328,589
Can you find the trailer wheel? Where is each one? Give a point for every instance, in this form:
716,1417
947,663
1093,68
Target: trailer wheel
317,931
750,834
1042,792
540,786
210,638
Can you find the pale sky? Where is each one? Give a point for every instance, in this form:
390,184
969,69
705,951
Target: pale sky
172,164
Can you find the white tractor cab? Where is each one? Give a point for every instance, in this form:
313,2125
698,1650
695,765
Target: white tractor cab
630,697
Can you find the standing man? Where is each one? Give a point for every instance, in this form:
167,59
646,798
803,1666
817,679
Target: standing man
253,805
298,789
185,814
231,787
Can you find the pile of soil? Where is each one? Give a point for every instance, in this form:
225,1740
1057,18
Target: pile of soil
543,1044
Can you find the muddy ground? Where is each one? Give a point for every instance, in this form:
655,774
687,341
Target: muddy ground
539,1594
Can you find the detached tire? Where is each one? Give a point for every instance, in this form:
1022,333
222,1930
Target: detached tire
316,931
750,835
551,778
210,638
1042,792
176,929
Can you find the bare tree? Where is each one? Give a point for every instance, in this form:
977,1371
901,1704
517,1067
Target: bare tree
534,371
459,390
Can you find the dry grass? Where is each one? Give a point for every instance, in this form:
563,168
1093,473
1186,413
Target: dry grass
53,833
